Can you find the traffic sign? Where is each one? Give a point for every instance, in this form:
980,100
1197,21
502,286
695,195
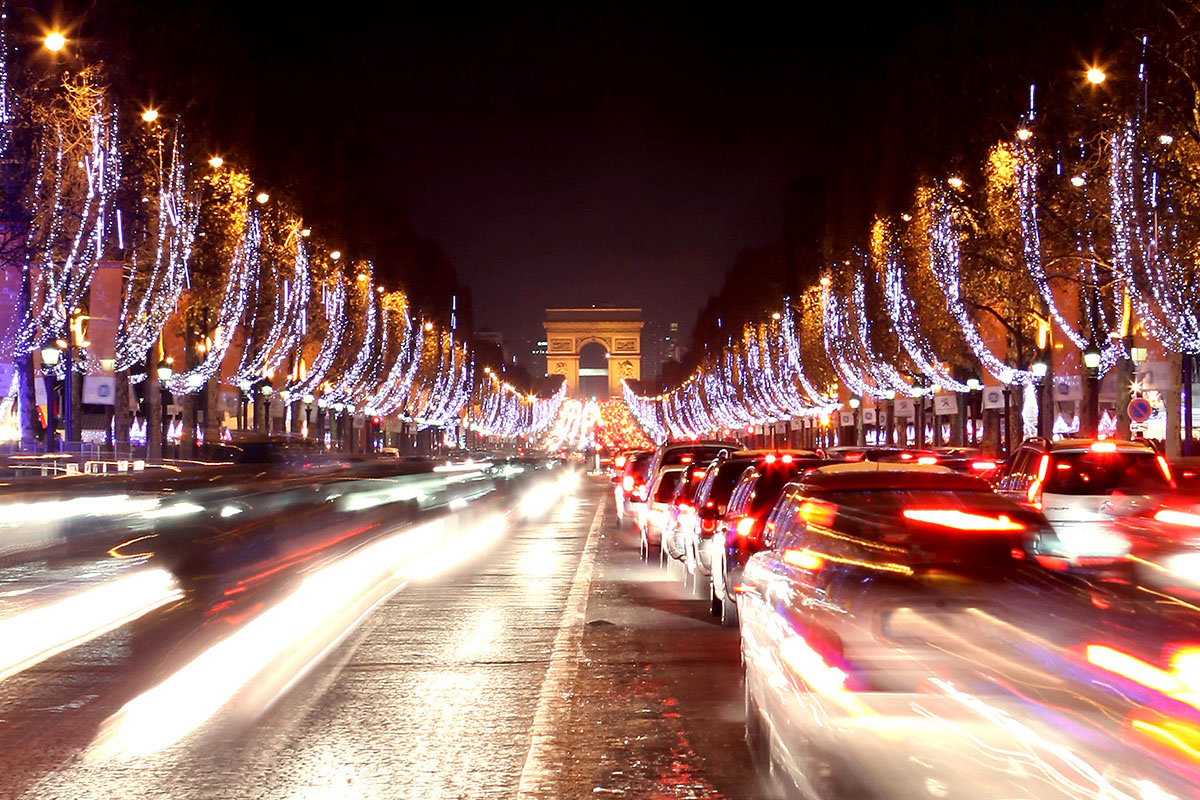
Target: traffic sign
1140,409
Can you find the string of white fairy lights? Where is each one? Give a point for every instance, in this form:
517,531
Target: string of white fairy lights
499,409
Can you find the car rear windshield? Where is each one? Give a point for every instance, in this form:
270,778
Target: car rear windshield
1104,473
726,479
935,526
666,486
770,483
639,464
695,455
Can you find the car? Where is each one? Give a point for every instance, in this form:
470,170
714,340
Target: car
652,514
738,534
679,514
1085,487
700,523
700,452
629,484
901,639
970,460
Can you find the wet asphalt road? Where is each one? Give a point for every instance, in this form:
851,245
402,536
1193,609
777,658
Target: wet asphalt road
551,664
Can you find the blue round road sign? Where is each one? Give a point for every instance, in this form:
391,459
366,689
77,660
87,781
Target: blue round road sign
1140,409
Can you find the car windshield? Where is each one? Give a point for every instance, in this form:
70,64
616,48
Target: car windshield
770,484
696,455
724,482
1092,473
666,486
937,526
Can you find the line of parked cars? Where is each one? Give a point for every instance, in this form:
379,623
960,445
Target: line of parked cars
937,623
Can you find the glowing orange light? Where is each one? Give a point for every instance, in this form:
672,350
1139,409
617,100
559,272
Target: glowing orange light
745,526
804,559
961,520
817,512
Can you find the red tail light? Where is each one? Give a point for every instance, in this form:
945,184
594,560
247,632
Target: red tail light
1104,447
906,456
817,512
619,461
787,459
855,456
1035,489
708,525
745,526
770,459
961,520
686,459
1174,517
1166,468
927,460
627,483
804,559
983,466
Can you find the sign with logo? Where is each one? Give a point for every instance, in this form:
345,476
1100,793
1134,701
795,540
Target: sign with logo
868,415
993,397
945,404
905,407
846,418
1140,409
100,389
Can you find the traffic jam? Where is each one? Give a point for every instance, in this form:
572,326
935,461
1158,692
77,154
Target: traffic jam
937,623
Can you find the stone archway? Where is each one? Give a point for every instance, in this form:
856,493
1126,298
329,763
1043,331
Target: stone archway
618,330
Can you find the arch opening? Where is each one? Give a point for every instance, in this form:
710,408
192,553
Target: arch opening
593,370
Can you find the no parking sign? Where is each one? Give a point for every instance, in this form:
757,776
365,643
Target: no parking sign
1140,409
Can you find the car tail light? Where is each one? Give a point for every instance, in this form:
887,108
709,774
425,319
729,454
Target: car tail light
619,462
1165,467
686,459
1104,447
627,483
852,457
927,460
817,512
906,456
708,525
1034,494
770,459
804,559
983,466
1173,517
709,504
745,526
697,473
961,520
787,459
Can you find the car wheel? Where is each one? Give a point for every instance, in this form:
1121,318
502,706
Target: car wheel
729,612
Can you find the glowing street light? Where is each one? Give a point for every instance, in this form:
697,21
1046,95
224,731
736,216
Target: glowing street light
305,232
1077,181
955,181
215,162
1024,134
1166,138
335,255
54,41
262,197
428,326
150,114
1096,76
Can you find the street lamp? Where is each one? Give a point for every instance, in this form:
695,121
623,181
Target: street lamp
216,162
164,370
322,403
307,400
150,114
54,41
50,355
262,197
266,395
1096,76
1091,361
890,396
339,423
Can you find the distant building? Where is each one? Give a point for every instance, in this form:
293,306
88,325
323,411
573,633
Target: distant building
661,343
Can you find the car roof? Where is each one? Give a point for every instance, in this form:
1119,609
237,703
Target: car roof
874,475
1081,445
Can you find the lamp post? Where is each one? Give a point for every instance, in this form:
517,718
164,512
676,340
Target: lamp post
973,385
919,401
1039,369
339,423
285,397
50,355
266,396
308,401
1091,361
321,405
164,371
247,388
890,396
854,403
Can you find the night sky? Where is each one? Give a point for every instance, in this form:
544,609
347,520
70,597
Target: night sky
560,157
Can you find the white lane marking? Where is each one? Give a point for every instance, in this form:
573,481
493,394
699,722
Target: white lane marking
538,774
